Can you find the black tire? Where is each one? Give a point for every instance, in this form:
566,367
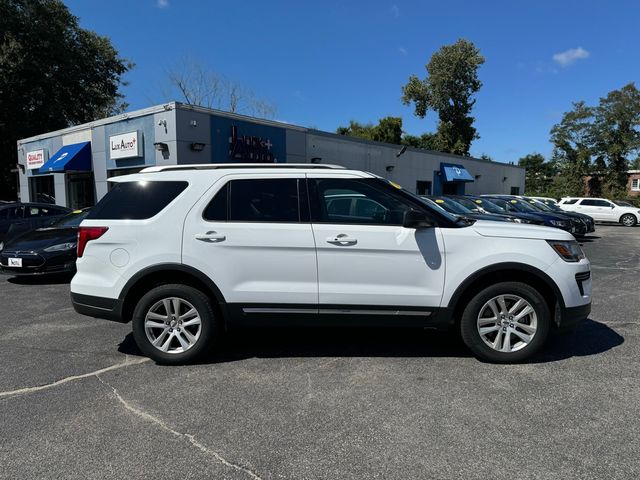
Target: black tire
199,301
628,220
469,322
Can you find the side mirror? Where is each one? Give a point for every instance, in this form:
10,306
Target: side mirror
416,219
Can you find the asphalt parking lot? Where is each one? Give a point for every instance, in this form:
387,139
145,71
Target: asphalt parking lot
78,401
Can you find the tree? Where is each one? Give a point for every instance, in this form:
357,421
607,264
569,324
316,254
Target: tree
388,130
53,74
539,174
616,136
198,85
425,141
572,140
448,89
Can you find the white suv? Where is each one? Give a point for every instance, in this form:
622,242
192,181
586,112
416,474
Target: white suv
602,210
188,251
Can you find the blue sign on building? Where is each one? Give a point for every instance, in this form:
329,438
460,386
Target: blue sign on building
239,141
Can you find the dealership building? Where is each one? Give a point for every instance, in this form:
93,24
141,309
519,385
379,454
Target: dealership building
72,166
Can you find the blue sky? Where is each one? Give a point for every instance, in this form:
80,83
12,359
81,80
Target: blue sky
324,63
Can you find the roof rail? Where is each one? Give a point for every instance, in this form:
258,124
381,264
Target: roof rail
219,166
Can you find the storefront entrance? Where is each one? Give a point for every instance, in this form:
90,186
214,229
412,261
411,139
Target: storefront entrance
80,190
41,189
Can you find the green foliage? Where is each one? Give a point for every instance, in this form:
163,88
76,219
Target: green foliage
53,74
572,152
539,174
616,136
448,89
388,130
602,141
425,141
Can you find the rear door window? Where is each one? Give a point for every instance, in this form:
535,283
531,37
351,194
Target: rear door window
595,203
136,200
269,200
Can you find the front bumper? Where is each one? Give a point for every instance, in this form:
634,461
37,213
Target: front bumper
98,307
38,263
571,316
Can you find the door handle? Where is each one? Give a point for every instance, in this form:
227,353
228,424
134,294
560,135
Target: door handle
342,239
211,237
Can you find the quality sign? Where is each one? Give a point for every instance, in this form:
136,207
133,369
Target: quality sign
35,159
126,145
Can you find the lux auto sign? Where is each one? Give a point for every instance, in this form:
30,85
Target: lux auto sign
126,145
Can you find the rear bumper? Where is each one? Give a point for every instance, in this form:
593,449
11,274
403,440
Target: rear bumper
98,307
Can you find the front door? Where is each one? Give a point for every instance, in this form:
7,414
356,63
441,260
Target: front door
253,238
366,259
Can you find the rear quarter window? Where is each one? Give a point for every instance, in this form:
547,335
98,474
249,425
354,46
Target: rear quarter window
136,200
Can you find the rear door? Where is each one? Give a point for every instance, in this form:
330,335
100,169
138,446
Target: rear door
252,236
598,209
367,261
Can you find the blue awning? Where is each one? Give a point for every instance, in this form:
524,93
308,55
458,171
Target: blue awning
76,157
455,173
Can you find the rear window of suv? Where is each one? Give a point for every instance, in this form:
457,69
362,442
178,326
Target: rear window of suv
136,200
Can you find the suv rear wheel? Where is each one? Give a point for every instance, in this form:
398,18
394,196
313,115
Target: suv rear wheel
506,322
174,324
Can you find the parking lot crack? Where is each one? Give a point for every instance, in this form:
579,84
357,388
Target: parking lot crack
191,438
72,378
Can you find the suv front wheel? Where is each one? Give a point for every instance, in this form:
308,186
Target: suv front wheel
173,324
506,322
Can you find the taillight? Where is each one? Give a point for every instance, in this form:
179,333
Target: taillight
86,234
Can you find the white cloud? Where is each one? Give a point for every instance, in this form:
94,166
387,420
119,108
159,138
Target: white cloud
395,11
402,51
566,58
162,3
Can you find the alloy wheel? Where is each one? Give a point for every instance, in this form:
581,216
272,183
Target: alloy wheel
507,323
172,325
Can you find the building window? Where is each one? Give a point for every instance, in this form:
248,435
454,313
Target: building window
635,184
423,187
515,190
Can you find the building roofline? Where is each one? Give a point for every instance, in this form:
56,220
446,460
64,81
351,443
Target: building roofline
103,121
410,149
173,105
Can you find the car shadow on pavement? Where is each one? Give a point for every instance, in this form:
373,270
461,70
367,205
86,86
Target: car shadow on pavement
53,279
589,338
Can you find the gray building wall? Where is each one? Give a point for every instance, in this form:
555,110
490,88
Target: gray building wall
180,126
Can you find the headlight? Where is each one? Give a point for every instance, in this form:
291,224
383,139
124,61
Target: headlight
61,247
570,251
559,223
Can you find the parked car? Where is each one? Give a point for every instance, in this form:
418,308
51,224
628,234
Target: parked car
451,206
602,210
186,252
483,205
514,204
549,206
44,250
17,217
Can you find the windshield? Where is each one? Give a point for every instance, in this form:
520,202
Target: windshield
481,204
538,205
451,206
72,219
514,204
